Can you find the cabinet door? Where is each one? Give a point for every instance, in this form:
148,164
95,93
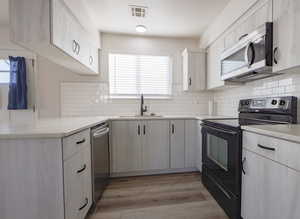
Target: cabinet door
156,147
269,190
185,71
214,64
177,144
126,146
73,187
199,147
191,142
286,34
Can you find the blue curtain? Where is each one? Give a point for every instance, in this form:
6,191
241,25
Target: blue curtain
17,95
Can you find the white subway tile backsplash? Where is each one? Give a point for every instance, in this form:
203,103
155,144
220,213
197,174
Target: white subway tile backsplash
284,85
88,99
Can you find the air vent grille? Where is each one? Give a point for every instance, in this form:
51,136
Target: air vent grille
138,11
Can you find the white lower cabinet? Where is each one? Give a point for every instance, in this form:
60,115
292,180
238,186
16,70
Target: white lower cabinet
126,146
140,145
77,184
177,144
155,142
192,143
269,190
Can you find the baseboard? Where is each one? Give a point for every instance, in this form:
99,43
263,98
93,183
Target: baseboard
154,172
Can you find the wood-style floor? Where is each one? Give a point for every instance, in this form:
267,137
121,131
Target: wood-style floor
173,196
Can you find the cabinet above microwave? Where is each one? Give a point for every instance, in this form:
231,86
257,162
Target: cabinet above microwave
48,28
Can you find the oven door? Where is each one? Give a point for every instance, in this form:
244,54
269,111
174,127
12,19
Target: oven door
221,157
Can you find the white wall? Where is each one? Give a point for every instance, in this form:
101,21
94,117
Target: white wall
64,93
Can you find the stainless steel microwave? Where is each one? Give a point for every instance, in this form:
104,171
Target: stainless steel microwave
251,58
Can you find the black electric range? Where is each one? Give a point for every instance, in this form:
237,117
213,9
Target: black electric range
222,146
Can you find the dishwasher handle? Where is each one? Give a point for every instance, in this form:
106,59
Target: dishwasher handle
100,132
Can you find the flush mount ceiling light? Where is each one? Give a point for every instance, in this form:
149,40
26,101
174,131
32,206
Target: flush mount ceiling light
141,29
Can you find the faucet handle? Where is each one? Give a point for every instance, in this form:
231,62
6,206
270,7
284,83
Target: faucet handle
146,109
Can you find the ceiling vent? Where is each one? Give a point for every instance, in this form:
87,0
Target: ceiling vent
138,11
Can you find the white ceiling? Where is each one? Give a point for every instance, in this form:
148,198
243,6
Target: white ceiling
176,18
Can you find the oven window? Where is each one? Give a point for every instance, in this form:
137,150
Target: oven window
217,151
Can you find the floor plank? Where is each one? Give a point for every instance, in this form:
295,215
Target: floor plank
176,196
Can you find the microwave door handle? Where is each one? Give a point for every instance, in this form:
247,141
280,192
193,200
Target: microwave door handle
250,61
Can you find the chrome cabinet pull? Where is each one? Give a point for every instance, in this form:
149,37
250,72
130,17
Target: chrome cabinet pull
243,36
243,162
276,55
139,130
190,81
266,148
74,46
173,129
82,169
84,205
78,49
81,142
144,129
91,60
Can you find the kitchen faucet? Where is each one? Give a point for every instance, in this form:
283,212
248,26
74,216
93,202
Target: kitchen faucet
143,108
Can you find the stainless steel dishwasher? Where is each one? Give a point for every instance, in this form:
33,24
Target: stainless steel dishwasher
100,159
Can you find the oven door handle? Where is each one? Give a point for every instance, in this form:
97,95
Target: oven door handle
219,130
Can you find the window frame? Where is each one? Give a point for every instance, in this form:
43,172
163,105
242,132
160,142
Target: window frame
1,71
146,96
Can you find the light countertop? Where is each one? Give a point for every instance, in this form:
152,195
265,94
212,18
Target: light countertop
62,127
290,132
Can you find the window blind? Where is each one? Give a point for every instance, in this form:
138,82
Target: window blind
132,75
4,71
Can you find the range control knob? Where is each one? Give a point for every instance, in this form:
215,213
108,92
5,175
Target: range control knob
282,102
274,102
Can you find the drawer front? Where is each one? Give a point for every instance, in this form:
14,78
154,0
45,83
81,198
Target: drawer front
78,184
284,152
74,143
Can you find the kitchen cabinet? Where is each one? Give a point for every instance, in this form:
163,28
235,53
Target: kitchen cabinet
269,190
46,177
257,16
193,68
192,143
140,145
155,143
49,28
286,34
199,147
177,144
126,146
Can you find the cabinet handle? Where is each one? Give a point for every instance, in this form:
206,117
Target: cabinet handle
85,204
276,55
82,169
144,129
243,162
173,129
190,81
266,148
91,60
74,46
81,142
139,130
243,36
78,49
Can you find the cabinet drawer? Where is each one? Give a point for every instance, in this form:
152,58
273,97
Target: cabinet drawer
284,152
74,143
77,184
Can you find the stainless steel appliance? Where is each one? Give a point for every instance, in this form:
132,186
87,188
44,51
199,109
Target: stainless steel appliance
100,159
251,58
222,147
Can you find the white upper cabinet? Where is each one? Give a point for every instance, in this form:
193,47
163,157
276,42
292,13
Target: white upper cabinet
253,19
286,34
49,28
194,66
